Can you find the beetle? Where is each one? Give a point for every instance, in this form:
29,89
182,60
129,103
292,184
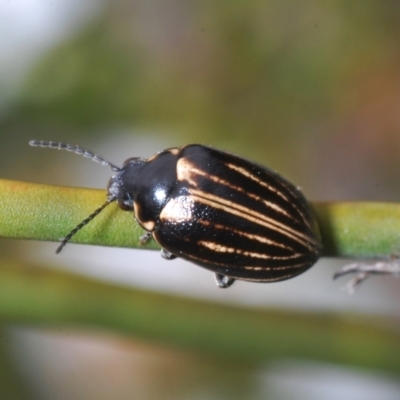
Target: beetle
222,212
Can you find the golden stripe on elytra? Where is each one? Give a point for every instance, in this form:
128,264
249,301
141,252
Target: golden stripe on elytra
225,265
220,248
304,213
253,216
207,261
280,278
254,178
189,170
251,236
249,175
280,268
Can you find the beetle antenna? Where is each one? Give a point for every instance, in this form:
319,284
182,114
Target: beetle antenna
83,223
75,149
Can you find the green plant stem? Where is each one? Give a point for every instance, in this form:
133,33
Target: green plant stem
44,212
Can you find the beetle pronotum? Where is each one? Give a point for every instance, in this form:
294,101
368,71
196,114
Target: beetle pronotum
215,209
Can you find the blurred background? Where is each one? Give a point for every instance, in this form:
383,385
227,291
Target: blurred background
310,89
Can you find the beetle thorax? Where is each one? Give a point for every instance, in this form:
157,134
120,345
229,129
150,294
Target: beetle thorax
149,186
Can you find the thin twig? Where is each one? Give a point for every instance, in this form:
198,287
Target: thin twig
364,271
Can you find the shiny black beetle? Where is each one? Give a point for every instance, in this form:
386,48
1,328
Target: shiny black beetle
217,210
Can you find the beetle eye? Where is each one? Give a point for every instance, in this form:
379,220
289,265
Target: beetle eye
125,204
125,207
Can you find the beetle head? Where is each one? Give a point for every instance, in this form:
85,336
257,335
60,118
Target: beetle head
122,186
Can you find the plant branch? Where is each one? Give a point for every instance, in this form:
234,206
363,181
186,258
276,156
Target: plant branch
44,212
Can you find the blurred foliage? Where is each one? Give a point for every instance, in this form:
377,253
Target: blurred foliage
284,82
237,334
12,386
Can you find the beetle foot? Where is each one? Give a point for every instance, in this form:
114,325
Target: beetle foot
223,281
167,255
145,238
364,271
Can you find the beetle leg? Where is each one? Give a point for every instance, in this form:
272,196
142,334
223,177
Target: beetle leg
364,271
223,281
167,255
145,238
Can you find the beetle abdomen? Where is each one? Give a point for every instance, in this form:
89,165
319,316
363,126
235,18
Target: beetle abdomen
237,218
